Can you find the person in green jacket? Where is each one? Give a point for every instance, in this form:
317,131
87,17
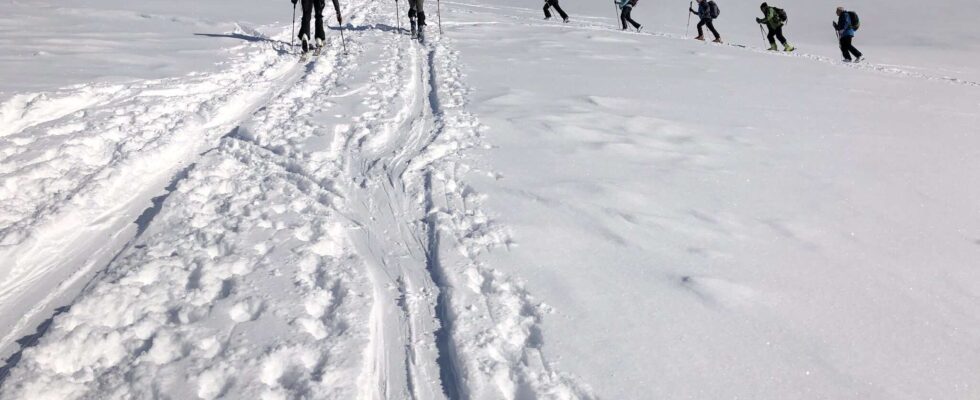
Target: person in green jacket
774,18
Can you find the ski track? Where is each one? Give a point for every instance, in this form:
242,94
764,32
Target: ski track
575,25
81,165
324,247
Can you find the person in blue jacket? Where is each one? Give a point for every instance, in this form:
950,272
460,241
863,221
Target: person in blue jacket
626,7
846,30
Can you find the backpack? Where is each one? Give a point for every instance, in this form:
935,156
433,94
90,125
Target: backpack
713,10
855,21
781,15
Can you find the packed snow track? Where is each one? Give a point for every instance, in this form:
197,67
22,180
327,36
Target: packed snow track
308,236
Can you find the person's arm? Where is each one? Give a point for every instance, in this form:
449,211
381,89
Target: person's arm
336,7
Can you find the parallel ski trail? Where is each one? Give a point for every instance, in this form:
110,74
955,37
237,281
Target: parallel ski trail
81,210
312,254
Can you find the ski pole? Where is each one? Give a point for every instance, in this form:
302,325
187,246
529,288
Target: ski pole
763,33
343,41
292,39
398,17
439,14
619,17
690,6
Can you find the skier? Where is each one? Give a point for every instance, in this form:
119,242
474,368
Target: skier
416,14
846,27
626,7
554,3
707,11
774,18
304,30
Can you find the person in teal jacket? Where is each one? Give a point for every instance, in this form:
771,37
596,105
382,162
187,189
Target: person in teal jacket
846,31
775,23
626,7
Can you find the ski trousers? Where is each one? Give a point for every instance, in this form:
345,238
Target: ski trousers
707,22
313,10
625,17
416,12
553,3
776,33
847,48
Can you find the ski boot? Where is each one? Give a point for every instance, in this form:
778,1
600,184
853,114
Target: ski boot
320,44
305,39
858,59
699,37
718,40
788,47
773,47
547,18
565,20
639,29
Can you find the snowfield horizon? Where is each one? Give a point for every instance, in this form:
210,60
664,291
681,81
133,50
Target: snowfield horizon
497,205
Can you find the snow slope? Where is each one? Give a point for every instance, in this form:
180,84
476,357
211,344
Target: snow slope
516,209
46,45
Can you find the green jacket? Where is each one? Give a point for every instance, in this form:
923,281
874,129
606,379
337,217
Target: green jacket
770,19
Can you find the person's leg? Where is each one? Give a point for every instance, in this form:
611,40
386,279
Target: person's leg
318,6
845,47
547,14
772,36
701,29
623,15
560,11
629,10
304,28
421,11
779,35
711,27
853,50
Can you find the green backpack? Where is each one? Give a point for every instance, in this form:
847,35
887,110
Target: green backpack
855,21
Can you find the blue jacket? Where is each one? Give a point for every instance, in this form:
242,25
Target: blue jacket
844,26
626,3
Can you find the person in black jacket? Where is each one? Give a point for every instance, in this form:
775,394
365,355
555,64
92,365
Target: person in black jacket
554,3
706,17
309,6
416,14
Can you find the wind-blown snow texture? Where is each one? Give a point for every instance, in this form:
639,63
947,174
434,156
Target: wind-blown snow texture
516,209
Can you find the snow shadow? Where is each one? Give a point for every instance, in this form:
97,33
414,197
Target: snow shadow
279,45
27,342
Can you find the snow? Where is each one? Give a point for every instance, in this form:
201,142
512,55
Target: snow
515,209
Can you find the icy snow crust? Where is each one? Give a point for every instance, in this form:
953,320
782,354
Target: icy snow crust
515,210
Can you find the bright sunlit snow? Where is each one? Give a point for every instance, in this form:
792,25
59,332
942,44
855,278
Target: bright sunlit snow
511,208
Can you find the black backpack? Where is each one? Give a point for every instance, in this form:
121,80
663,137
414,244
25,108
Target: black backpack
713,10
781,15
855,21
